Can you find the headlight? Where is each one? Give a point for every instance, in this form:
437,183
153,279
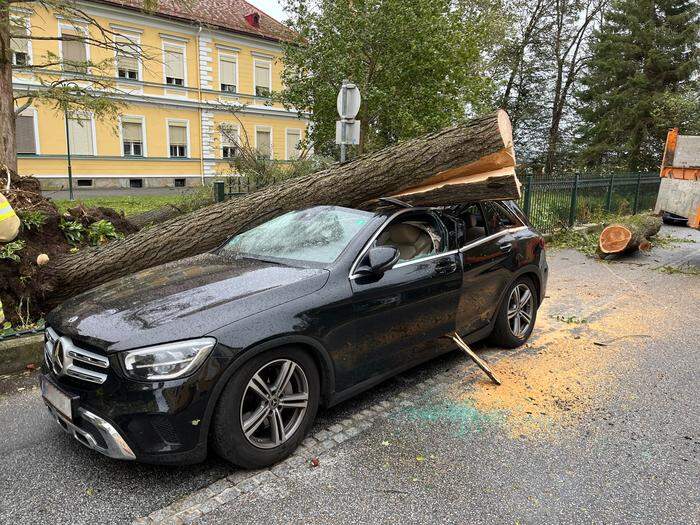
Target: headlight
168,361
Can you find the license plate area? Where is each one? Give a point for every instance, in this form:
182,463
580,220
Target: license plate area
57,398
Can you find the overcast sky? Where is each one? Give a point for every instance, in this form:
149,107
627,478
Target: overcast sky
271,7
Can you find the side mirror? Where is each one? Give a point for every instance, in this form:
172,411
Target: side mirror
380,259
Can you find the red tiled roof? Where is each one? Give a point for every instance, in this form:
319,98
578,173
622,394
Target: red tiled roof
224,14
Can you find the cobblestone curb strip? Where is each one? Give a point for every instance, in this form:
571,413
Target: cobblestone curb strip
192,507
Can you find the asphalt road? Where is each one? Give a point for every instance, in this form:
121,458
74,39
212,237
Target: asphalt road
597,421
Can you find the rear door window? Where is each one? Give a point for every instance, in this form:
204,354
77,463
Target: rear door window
474,222
497,218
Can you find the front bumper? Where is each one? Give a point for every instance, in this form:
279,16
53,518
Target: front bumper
162,422
104,439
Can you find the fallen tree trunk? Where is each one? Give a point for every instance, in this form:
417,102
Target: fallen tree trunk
629,235
440,168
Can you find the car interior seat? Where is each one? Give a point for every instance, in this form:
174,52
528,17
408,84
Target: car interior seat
410,240
474,231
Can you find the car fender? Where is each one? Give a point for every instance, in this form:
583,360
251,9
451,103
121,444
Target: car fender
320,352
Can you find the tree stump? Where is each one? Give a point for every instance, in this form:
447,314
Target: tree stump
629,235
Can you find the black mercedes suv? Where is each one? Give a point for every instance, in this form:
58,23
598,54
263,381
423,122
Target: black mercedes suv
237,348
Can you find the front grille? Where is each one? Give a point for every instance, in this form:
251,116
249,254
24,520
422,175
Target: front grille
66,359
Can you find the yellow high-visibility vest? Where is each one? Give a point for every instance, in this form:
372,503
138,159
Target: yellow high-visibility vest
2,315
9,222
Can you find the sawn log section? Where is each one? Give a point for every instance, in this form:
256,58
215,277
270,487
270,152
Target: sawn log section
469,161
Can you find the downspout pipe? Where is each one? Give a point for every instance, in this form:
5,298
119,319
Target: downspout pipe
200,100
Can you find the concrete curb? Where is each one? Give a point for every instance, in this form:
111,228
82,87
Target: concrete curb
17,353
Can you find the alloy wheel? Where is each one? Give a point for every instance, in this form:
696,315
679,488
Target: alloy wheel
274,403
520,309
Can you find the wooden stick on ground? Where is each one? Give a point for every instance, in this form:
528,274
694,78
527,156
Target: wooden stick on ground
480,363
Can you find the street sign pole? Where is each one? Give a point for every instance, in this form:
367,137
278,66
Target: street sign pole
347,128
343,125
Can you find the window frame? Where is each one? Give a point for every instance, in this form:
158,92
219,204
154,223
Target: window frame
286,142
226,142
27,23
262,127
388,222
234,57
77,28
142,119
183,45
35,123
93,133
186,122
136,38
268,61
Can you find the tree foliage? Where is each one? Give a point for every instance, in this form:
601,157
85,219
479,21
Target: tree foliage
419,64
642,80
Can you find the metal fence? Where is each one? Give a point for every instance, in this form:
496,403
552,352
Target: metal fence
554,203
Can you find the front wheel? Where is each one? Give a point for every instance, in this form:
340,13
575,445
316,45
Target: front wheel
266,408
516,316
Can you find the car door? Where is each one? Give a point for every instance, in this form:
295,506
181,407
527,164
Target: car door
486,259
399,316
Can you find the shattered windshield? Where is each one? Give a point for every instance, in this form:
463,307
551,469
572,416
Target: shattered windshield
316,235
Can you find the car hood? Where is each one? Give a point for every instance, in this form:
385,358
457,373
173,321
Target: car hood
181,300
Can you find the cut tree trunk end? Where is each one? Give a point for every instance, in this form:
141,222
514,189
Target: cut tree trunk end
470,161
629,235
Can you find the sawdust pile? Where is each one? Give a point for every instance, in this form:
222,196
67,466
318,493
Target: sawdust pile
569,369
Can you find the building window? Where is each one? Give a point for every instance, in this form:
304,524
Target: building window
128,54
135,183
177,139
263,78
180,183
228,151
74,50
85,183
293,144
263,141
229,141
19,45
24,131
174,61
227,73
132,137
80,135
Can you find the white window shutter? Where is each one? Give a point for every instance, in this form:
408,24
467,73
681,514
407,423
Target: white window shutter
24,131
262,74
80,133
178,134
293,140
174,62
227,71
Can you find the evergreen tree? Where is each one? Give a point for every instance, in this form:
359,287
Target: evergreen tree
642,79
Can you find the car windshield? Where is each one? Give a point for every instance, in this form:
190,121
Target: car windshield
316,235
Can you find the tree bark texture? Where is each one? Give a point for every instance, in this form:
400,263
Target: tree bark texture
437,158
629,235
8,150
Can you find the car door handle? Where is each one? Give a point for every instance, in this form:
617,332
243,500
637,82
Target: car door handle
446,267
506,247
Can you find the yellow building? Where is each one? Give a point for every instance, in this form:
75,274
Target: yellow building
200,84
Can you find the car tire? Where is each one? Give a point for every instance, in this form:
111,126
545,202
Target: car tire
504,333
242,403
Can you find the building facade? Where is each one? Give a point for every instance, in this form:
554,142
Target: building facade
198,86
